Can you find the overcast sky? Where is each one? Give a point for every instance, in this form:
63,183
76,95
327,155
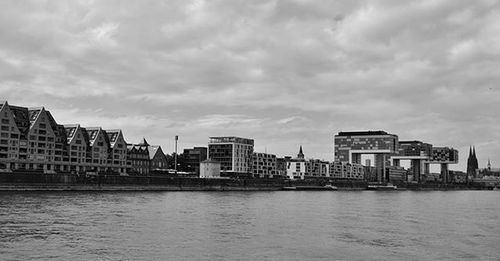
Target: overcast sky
284,73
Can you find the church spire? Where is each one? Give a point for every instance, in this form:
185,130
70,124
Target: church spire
489,164
474,158
301,153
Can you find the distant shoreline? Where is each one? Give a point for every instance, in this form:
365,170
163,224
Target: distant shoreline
72,182
16,187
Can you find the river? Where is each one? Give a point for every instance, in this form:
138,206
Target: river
279,225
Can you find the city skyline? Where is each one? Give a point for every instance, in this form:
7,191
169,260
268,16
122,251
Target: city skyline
282,73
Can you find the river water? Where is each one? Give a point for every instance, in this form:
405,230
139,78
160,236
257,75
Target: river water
291,225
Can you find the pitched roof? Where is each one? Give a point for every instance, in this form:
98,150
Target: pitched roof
93,133
22,119
113,136
34,113
152,151
70,131
143,142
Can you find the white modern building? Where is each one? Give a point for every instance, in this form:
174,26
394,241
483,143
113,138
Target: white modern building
233,153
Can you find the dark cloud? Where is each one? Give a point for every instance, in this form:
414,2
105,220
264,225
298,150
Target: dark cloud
283,72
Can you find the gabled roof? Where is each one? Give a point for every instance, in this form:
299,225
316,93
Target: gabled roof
34,113
21,117
52,121
153,150
93,133
113,136
71,131
137,149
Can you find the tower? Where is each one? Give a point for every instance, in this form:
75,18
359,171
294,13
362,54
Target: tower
301,154
489,165
476,164
472,163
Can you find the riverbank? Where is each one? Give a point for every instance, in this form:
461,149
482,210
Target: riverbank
77,187
72,182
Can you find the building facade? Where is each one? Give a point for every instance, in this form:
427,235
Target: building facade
210,169
31,139
233,153
300,168
143,158
158,160
264,165
316,168
191,158
346,170
137,159
350,146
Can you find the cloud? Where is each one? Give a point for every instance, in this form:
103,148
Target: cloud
283,72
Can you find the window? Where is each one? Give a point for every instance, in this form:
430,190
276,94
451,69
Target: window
42,126
5,121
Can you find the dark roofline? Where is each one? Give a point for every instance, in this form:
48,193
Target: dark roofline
362,133
411,141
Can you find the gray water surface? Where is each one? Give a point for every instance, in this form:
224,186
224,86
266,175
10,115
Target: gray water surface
294,225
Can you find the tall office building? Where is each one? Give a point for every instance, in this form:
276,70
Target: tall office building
349,146
234,154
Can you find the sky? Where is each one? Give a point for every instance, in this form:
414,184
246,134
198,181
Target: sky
285,73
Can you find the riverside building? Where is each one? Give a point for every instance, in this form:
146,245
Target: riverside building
31,140
300,168
346,170
191,158
143,158
233,153
296,167
349,146
264,165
